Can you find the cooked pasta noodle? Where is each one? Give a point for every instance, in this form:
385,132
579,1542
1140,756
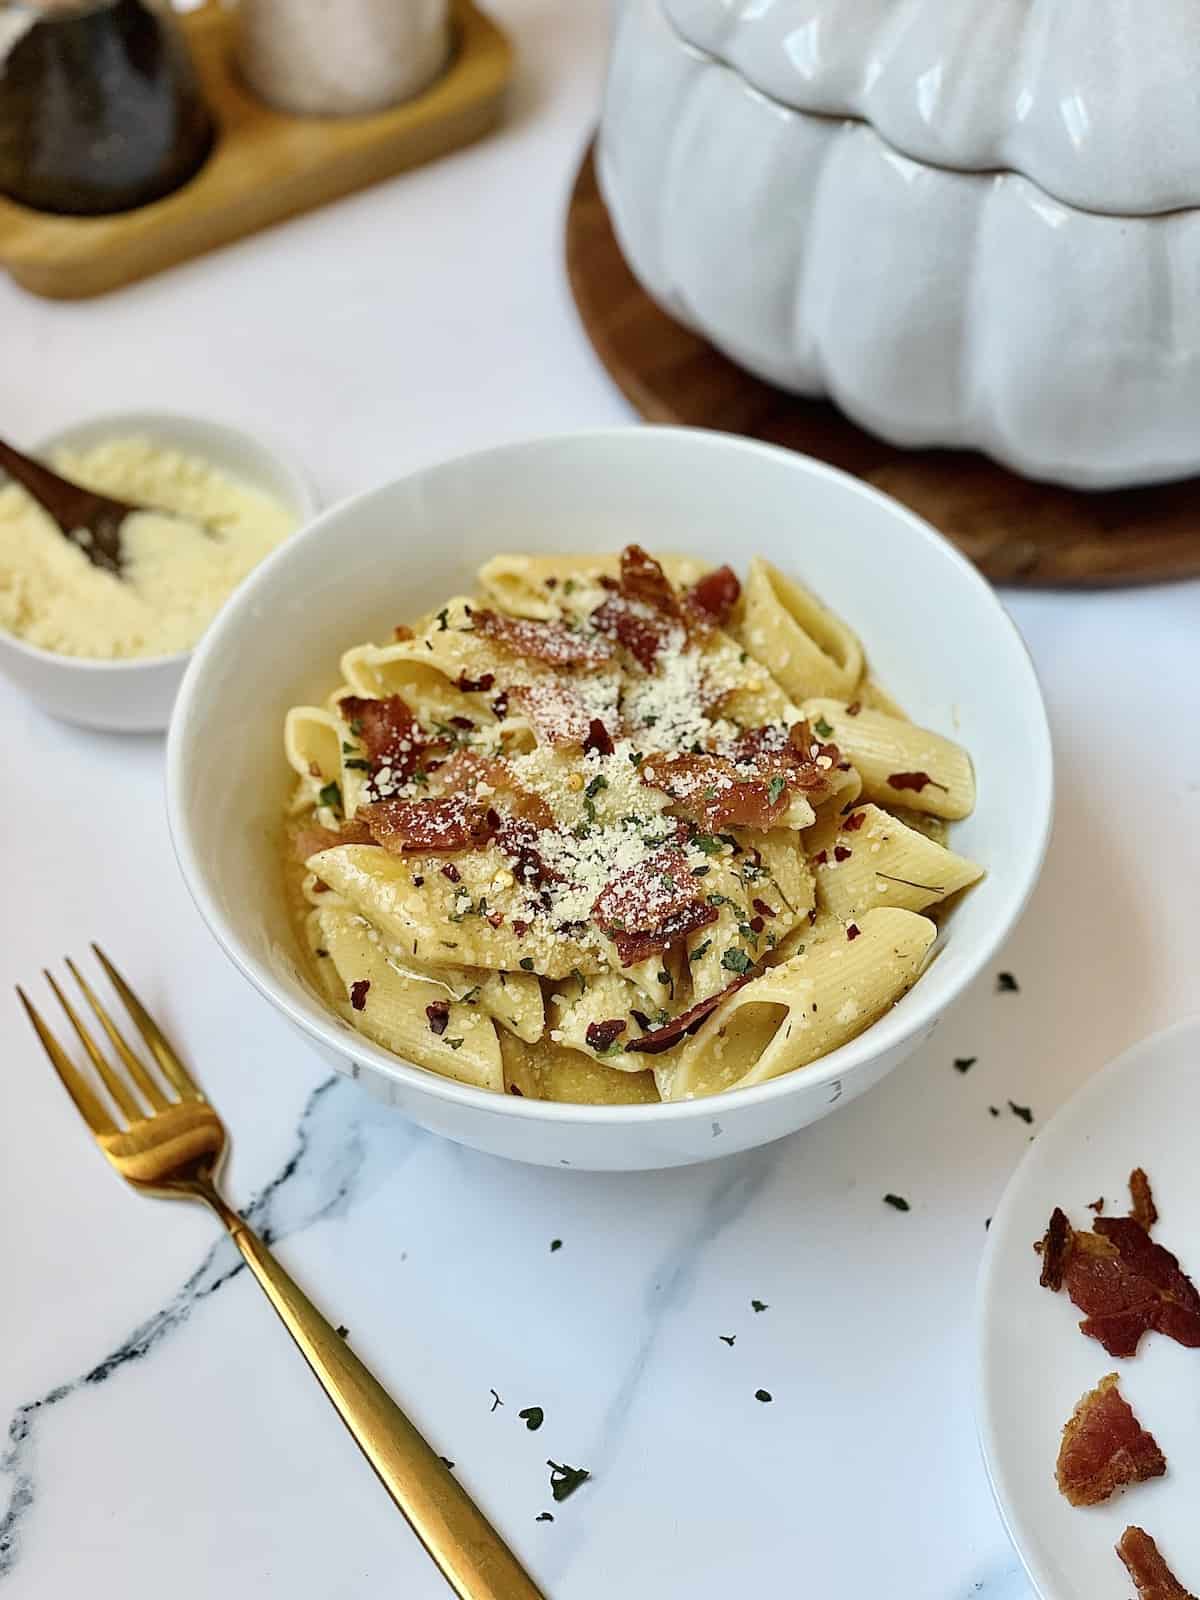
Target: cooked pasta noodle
617,831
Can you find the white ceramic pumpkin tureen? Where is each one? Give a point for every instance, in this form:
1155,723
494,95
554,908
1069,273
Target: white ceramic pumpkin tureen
969,224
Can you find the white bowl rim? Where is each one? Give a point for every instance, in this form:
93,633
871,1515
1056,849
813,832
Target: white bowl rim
308,506
919,1013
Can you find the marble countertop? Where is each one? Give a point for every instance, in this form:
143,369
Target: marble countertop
158,1424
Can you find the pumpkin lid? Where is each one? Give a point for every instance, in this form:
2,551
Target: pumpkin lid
1096,101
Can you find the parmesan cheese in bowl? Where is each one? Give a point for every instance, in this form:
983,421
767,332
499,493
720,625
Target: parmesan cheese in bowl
110,652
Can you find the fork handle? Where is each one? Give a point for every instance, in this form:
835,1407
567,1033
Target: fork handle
472,1556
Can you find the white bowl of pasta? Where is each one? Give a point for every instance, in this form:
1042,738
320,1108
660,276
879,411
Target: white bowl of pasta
590,860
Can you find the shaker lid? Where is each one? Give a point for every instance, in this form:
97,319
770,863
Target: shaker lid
1096,101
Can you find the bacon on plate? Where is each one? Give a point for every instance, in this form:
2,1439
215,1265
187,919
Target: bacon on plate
1145,1565
1105,1448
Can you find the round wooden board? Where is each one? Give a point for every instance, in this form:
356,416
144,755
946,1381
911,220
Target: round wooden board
1015,531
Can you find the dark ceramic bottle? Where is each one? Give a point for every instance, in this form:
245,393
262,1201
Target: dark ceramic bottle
100,107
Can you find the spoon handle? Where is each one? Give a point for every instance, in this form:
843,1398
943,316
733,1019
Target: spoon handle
73,507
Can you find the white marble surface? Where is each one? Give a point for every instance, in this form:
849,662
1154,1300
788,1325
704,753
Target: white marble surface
164,1436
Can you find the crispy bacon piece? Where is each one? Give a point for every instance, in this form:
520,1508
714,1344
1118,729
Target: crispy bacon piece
708,603
1144,1210
643,579
795,753
390,733
651,905
643,632
1123,1282
551,642
431,827
660,1039
1055,1249
600,1035
466,770
1105,1448
312,837
1145,1565
915,781
713,793
558,715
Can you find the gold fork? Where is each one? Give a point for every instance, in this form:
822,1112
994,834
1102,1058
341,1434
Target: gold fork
174,1150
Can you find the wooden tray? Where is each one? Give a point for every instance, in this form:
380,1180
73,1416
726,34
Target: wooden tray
1014,530
266,165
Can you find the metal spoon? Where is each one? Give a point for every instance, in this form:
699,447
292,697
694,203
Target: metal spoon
89,520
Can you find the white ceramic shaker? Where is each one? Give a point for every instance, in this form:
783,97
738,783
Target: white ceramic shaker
341,57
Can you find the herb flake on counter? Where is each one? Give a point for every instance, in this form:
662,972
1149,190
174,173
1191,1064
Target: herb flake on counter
544,1516
764,1395
897,1202
1024,1112
447,1463
555,1244
1007,984
565,1480
727,1338
964,1063
532,1417
995,1110
759,1305
342,1331
496,1400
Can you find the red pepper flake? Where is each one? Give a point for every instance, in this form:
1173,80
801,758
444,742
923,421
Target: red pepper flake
757,924
1105,1448
461,722
852,930
916,781
402,632
320,886
1144,1210
1145,1565
496,918
520,928
660,1039
599,740
841,853
600,1035
358,993
500,705
821,859
854,821
451,871
1123,1282
854,708
551,583
551,642
1097,1206
438,1012
475,685
763,909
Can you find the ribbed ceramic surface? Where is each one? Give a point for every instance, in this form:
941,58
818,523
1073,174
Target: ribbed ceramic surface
936,308
1097,101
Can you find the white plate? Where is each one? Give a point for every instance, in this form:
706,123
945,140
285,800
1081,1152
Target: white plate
1034,1364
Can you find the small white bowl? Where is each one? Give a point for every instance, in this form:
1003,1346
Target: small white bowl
136,695
933,629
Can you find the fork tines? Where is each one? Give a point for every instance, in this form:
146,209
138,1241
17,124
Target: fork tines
137,1079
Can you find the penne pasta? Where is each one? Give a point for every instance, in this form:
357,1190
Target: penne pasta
614,831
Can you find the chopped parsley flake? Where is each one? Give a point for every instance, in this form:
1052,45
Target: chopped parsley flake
331,795
598,782
822,728
727,1338
496,1400
700,950
441,618
565,1480
526,963
555,1244
764,1395
356,764
897,1202
1006,983
532,1417
455,1044
759,1305
735,960
775,788
544,1516
1024,1112
964,1063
